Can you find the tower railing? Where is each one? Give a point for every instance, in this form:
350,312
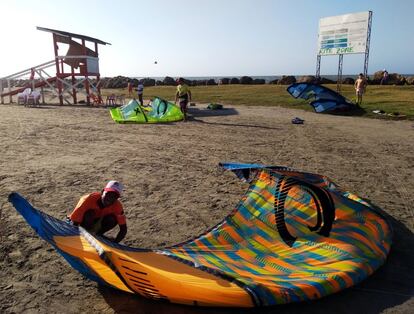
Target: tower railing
38,76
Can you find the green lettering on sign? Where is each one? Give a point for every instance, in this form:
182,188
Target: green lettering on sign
325,51
344,50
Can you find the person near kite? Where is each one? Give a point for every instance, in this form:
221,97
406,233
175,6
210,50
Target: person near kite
183,94
360,86
99,212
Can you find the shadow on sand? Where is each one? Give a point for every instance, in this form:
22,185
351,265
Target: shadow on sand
357,112
199,113
389,286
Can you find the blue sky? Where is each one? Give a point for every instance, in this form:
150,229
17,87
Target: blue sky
204,37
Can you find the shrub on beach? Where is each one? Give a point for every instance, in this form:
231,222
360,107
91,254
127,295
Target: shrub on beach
307,79
348,80
324,80
393,78
169,81
148,82
246,80
287,80
410,80
259,81
114,82
225,81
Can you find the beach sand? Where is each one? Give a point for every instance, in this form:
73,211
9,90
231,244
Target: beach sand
174,191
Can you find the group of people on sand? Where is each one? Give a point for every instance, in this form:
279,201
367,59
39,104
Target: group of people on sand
182,94
100,212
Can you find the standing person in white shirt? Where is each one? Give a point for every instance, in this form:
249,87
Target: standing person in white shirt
140,90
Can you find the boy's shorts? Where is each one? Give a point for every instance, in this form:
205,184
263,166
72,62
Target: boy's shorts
183,105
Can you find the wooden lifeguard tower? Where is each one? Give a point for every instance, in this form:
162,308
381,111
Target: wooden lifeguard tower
76,72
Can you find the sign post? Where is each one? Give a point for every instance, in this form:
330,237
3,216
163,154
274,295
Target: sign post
344,34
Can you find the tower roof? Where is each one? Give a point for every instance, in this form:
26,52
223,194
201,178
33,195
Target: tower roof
72,35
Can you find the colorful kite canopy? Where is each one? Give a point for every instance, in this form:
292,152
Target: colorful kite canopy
325,99
294,236
159,111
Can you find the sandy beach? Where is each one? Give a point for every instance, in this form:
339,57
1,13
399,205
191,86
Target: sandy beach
175,190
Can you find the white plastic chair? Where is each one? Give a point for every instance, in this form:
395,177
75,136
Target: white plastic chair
110,100
22,97
33,98
120,100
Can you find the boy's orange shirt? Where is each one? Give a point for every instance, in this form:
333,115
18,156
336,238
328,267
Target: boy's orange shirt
92,201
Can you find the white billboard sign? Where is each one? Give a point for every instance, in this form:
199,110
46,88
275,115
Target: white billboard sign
343,34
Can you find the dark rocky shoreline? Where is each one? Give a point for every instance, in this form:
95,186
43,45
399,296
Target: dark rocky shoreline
375,79
122,81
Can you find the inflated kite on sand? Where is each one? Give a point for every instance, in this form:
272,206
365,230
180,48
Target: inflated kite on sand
294,236
323,98
159,111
